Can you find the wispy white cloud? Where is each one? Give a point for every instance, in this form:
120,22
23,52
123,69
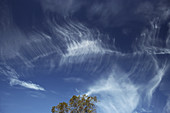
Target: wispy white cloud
13,77
84,47
150,42
167,106
79,42
154,83
115,96
29,85
73,79
79,51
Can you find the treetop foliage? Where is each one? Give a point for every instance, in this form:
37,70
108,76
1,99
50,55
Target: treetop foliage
77,104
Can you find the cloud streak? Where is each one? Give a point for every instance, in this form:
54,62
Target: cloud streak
29,85
13,77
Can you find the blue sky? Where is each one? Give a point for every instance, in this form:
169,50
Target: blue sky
117,50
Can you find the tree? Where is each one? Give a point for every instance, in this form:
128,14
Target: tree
77,104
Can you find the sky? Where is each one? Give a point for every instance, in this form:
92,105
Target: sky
117,50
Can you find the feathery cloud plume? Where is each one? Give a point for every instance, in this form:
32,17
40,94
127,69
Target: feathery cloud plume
29,85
